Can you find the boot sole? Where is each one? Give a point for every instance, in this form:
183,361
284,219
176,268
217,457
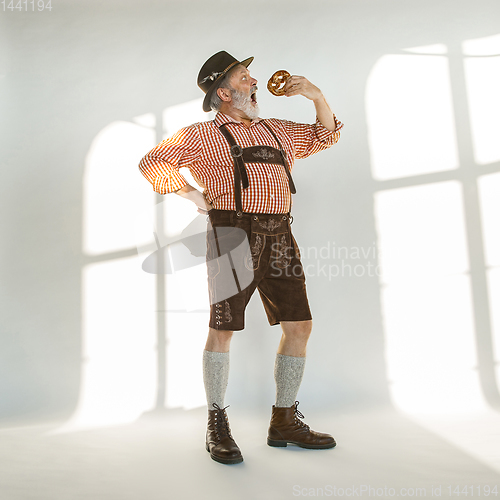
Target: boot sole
283,444
227,461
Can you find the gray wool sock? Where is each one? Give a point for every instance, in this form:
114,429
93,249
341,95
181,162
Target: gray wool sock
215,376
288,372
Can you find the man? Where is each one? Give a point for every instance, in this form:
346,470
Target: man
243,163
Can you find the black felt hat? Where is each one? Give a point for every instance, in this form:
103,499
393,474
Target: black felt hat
214,70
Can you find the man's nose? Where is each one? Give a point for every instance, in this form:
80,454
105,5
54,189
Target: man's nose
254,81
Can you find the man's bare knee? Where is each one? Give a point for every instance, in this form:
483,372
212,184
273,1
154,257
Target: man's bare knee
220,333
218,340
297,329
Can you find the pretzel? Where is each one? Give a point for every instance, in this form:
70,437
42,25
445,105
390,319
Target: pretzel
276,83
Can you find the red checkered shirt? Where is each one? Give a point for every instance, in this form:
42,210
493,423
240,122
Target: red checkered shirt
203,149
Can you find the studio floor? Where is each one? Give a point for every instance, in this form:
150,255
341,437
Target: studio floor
380,454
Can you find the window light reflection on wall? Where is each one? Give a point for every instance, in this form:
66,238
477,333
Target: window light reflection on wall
425,285
410,115
119,300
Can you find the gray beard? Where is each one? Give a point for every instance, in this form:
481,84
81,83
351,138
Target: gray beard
244,103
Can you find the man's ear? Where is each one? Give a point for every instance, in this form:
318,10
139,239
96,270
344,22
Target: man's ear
224,94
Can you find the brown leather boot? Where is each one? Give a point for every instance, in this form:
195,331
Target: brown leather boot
286,427
220,444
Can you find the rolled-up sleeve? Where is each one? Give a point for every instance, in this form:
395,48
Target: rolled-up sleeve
309,139
161,165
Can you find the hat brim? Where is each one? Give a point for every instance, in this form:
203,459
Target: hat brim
208,96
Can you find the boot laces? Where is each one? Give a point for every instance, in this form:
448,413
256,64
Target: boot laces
298,415
221,421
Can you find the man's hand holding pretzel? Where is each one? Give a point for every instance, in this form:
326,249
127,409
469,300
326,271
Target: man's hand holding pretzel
299,85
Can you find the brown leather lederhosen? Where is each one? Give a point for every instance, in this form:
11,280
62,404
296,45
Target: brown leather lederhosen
270,241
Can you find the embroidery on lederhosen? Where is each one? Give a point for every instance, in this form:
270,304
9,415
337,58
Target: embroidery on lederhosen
271,225
265,154
252,260
282,250
227,312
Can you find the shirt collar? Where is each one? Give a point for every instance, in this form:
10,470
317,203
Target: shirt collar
221,118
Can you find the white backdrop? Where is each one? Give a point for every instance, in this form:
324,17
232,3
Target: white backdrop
397,222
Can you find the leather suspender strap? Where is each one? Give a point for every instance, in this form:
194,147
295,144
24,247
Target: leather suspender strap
285,162
237,154
240,172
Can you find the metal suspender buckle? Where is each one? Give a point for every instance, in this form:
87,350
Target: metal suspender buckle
236,151
239,213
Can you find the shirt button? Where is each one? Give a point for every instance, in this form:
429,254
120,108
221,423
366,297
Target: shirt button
272,196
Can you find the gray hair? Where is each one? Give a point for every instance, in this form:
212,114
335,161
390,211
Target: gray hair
215,100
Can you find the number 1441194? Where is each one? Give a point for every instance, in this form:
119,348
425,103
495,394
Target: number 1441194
484,490
27,5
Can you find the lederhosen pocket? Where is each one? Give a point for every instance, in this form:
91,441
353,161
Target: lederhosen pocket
227,247
273,230
221,241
